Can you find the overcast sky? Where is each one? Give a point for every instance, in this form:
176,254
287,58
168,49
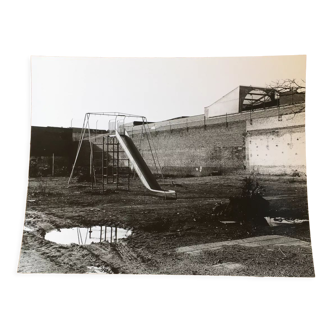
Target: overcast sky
65,88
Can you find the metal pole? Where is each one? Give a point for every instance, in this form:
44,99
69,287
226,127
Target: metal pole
113,159
79,146
111,233
292,95
107,157
92,174
117,165
123,123
91,156
91,150
102,164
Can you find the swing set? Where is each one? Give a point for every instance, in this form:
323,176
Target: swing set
113,155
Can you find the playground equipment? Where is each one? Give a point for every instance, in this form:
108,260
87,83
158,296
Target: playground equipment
114,155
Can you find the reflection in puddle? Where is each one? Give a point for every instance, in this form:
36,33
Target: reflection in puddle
87,235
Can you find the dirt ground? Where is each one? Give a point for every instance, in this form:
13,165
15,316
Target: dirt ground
159,227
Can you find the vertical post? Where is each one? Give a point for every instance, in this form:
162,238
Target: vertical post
91,166
101,232
102,164
117,165
107,157
113,159
79,146
92,174
292,95
111,233
53,165
116,234
105,232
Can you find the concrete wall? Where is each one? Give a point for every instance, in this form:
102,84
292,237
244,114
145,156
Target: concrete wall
276,145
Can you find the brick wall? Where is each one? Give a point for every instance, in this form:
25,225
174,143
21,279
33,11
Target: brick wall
197,150
198,146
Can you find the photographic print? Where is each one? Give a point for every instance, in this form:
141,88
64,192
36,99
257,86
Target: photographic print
177,166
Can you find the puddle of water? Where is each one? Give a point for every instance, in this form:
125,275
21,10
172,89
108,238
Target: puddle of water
278,221
90,235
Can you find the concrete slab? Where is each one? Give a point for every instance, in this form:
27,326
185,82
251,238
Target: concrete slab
259,241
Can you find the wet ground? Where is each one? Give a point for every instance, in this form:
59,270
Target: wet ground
147,230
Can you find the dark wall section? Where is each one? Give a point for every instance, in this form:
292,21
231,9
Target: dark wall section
48,140
62,143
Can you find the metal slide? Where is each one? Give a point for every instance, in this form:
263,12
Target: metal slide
141,168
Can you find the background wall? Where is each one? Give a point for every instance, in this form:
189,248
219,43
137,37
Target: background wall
265,141
221,145
197,150
276,145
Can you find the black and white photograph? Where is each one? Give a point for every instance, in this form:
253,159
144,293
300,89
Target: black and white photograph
177,166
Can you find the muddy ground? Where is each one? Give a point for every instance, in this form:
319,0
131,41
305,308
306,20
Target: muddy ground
159,227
